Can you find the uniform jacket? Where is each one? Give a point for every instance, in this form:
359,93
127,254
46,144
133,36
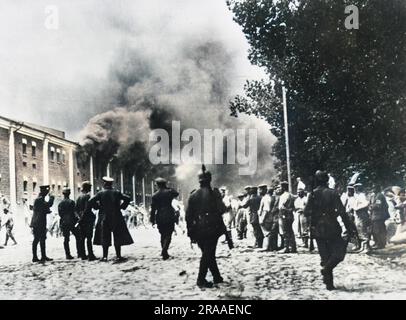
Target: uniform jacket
253,204
379,208
84,210
110,219
323,207
286,206
204,214
66,210
162,211
41,209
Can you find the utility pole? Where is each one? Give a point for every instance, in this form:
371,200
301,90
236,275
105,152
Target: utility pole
285,118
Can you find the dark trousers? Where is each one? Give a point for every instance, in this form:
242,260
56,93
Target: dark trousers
86,235
166,238
39,237
259,236
288,235
379,233
208,259
66,231
331,251
9,235
272,237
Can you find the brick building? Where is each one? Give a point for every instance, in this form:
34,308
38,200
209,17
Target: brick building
33,155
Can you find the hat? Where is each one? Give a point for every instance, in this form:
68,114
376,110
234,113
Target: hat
44,187
65,190
350,186
86,184
108,179
160,180
204,175
263,186
241,195
247,187
300,189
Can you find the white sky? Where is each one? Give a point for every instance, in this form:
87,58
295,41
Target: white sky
57,77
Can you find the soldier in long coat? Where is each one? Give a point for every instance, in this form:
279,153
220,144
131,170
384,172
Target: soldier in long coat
86,220
286,207
323,208
38,224
269,220
110,202
163,214
205,225
66,210
379,214
253,204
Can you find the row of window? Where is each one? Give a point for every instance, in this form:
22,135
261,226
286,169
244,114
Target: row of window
55,154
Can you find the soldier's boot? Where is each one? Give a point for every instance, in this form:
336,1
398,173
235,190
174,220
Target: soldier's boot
105,254
204,284
43,252
67,251
328,278
34,252
91,255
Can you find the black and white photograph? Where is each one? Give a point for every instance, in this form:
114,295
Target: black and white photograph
219,151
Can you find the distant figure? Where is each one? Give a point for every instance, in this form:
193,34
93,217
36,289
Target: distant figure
39,223
86,221
379,214
304,223
300,184
252,204
362,218
163,214
27,212
269,221
241,218
205,225
286,207
110,220
9,224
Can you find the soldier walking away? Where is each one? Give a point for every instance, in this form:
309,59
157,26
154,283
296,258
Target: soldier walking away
286,217
163,214
205,225
86,221
9,224
323,208
39,223
379,214
110,202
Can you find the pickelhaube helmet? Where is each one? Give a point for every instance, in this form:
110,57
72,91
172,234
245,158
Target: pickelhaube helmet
204,175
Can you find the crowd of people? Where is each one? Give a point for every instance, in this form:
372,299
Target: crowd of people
270,215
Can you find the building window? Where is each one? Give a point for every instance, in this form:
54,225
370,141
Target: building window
25,185
63,156
53,187
34,166
24,163
34,186
58,155
52,154
34,149
24,147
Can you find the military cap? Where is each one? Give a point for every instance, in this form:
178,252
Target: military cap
160,180
300,189
108,179
44,187
247,187
86,184
254,188
241,195
65,190
262,186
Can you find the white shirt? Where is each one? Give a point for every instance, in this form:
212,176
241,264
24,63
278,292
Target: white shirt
361,201
265,205
283,199
300,203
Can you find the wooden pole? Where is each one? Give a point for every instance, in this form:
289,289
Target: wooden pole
285,117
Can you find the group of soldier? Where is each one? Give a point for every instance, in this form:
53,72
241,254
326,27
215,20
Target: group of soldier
272,212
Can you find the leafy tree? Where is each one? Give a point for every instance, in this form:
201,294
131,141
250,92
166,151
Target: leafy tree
346,87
